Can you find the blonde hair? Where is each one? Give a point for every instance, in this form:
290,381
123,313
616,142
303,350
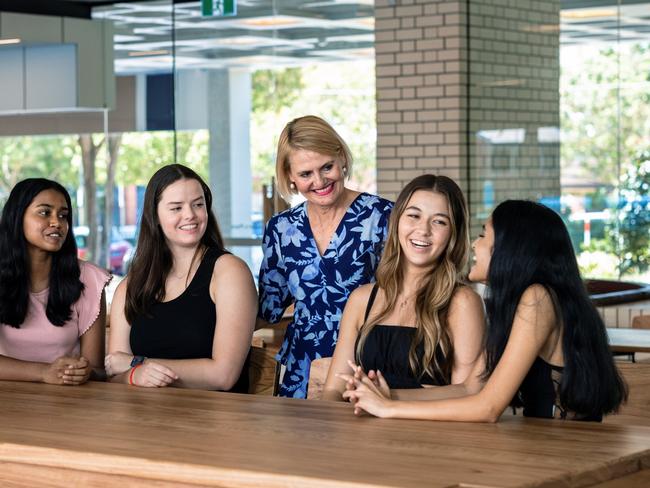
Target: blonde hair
433,297
313,134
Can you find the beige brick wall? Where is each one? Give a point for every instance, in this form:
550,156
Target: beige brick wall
463,89
421,76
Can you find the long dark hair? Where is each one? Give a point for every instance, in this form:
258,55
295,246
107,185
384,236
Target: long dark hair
532,246
65,286
434,295
153,260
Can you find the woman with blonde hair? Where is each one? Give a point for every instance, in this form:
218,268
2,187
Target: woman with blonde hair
419,325
318,252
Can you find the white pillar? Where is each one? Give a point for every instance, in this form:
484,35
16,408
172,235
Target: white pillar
229,108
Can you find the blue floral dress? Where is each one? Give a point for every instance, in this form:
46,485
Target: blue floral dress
293,271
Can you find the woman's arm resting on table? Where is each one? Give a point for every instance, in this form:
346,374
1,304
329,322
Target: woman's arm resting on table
233,292
63,371
533,323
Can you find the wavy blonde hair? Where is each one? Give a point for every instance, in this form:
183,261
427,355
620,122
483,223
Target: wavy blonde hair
313,134
433,297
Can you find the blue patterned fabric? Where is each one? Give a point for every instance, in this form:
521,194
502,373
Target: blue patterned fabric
293,271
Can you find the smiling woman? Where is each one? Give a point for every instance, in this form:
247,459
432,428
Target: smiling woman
318,252
185,313
419,325
52,308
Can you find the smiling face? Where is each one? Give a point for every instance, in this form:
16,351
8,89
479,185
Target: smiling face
182,213
45,222
318,177
482,247
424,228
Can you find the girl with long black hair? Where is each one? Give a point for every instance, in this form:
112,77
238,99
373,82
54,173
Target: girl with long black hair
52,306
546,346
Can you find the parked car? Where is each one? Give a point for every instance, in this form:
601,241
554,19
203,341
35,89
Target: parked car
118,247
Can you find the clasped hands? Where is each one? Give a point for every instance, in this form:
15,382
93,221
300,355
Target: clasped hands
367,392
151,373
67,370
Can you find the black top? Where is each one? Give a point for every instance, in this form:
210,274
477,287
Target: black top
183,328
387,349
539,393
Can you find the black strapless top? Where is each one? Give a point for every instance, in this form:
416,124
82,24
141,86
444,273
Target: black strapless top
387,349
539,393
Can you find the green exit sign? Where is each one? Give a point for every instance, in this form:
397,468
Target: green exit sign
218,8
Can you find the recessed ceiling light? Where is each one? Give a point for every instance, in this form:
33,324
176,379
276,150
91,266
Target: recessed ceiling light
271,22
148,53
581,14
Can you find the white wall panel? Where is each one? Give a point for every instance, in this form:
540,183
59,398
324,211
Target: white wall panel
50,77
12,94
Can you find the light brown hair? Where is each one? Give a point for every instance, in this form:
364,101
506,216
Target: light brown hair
313,134
433,297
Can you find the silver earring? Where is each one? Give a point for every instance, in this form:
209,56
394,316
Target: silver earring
345,170
292,185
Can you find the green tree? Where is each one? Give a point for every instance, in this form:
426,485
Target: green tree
634,229
37,156
341,93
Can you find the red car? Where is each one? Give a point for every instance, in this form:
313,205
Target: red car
119,247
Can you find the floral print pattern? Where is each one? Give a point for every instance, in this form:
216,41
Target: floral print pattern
293,271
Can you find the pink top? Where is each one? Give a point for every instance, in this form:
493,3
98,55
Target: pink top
38,340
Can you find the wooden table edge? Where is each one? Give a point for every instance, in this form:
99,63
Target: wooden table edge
141,468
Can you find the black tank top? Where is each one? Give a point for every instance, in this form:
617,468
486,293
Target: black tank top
183,328
539,394
387,349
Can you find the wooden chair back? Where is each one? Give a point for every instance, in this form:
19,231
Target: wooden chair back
641,322
317,376
637,409
263,372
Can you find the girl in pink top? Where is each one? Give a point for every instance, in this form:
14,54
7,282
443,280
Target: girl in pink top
52,306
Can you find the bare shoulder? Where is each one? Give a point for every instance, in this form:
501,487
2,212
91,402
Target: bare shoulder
230,265
465,297
536,307
361,295
536,296
120,290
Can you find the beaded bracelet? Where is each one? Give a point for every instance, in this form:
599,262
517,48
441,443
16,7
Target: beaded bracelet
132,372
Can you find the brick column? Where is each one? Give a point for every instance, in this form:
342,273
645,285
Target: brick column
469,89
421,84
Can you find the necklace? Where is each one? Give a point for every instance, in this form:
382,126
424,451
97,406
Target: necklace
405,301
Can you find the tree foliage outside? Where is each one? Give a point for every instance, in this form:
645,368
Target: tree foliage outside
634,229
36,156
605,122
342,93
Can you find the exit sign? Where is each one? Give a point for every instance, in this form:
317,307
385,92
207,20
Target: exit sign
218,8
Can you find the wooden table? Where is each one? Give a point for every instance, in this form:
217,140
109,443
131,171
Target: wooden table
629,340
106,434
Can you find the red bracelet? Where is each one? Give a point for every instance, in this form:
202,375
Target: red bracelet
132,372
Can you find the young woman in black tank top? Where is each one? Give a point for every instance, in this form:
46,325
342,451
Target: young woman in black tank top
546,347
185,314
418,326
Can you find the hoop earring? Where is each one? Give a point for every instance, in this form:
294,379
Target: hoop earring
292,185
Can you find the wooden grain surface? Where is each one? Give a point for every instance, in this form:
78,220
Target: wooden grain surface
111,434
